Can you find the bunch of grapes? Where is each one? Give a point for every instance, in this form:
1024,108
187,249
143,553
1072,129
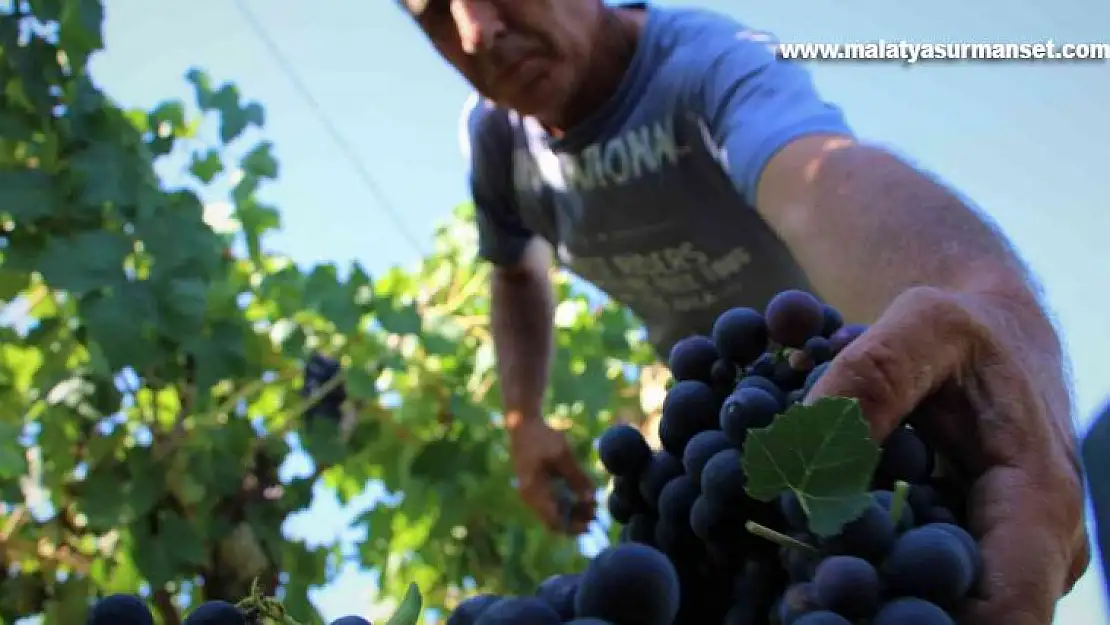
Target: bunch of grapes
696,549
130,610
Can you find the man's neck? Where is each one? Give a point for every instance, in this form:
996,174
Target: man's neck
614,48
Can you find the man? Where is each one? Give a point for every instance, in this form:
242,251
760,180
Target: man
671,159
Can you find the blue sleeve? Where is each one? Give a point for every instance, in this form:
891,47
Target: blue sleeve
486,141
755,104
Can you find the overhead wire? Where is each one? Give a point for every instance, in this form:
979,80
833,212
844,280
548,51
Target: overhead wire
364,174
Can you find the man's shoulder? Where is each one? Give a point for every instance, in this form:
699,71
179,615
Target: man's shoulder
482,123
684,28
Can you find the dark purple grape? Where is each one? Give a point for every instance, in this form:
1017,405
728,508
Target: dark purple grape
629,583
120,610
663,468
846,335
623,450
848,586
832,320
766,384
740,335
692,358
467,612
513,610
793,317
819,350
746,409
911,611
690,407
931,564
700,449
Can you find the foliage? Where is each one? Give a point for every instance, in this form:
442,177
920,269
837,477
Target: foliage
149,375
823,453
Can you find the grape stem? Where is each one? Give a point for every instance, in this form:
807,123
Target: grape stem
266,608
778,538
898,501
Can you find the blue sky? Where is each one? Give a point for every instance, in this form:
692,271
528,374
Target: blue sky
1028,142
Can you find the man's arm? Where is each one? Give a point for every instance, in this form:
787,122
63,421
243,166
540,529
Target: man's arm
845,210
521,294
521,312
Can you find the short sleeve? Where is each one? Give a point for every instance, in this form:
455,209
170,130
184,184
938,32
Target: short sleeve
485,139
754,104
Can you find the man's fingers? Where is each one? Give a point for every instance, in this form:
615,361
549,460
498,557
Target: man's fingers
566,466
919,342
1025,566
537,493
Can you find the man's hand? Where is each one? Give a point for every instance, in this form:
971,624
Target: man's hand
997,407
541,456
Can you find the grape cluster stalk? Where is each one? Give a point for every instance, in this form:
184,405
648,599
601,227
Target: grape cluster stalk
696,549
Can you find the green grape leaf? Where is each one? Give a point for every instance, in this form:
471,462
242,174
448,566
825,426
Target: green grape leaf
408,612
823,453
206,166
28,194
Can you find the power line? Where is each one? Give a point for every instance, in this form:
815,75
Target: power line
363,173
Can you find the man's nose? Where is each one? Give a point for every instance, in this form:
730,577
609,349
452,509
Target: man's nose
477,22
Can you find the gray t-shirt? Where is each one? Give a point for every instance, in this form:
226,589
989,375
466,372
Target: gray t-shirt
651,198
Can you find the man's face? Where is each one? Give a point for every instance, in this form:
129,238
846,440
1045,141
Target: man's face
527,55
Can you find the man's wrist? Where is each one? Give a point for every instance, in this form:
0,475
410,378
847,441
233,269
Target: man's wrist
514,419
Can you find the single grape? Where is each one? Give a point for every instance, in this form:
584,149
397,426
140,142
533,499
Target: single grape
819,350
832,320
764,366
350,620
848,586
722,377
215,613
931,564
765,384
845,336
641,529
870,536
692,358
787,377
799,599
559,591
922,498
468,611
723,479
800,564
912,611
519,610
814,376
968,542
906,519
700,449
629,490
690,407
793,317
822,618
677,498
620,509
939,514
663,468
745,409
630,584
120,610
623,450
904,458
740,335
